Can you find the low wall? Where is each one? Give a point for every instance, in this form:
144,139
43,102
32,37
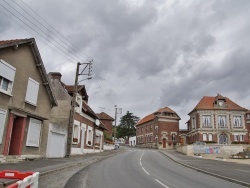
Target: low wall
224,151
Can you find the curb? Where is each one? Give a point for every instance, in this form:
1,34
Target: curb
82,163
208,173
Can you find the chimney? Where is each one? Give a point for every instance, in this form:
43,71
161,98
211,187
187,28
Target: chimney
55,75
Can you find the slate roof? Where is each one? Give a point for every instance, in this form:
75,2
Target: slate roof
152,116
207,103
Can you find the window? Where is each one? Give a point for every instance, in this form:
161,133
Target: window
2,123
89,136
237,121
32,91
210,137
248,115
173,137
76,133
33,137
193,123
206,121
204,137
97,139
238,138
222,121
79,104
7,74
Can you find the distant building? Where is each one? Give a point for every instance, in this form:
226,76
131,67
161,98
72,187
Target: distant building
248,124
132,141
108,122
217,120
159,129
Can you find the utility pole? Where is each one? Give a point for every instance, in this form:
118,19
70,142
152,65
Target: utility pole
115,123
73,101
117,111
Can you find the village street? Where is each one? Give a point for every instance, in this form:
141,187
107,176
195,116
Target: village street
143,168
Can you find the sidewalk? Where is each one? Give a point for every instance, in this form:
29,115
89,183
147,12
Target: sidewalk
230,170
47,166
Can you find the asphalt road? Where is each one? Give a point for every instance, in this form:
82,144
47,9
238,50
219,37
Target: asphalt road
142,169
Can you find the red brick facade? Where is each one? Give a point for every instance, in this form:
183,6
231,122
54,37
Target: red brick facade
218,120
158,130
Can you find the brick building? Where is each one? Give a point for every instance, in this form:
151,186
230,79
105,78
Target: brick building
159,129
217,120
108,122
248,124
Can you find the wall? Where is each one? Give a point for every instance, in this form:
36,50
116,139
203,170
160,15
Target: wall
225,150
23,60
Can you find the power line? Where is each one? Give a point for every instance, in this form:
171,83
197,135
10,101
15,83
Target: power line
64,54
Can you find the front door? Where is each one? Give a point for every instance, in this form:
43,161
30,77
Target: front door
164,143
17,133
223,139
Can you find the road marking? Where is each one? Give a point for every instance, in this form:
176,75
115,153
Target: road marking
161,183
242,170
145,171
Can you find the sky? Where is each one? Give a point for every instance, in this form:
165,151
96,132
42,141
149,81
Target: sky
146,54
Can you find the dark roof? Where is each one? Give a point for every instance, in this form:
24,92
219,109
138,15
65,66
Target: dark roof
104,116
153,115
80,88
15,43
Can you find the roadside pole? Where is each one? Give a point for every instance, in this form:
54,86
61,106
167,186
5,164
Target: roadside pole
73,103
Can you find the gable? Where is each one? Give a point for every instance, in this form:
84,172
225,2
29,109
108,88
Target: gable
24,56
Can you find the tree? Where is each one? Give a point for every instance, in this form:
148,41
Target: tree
126,127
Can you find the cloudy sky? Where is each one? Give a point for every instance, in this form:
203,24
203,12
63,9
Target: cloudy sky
147,54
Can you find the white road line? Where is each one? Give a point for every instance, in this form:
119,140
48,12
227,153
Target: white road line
243,170
145,171
161,183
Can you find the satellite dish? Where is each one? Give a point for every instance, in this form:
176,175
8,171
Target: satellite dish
97,122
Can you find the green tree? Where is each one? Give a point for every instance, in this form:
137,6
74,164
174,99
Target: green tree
126,127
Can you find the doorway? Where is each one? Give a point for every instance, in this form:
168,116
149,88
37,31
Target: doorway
16,135
223,139
164,141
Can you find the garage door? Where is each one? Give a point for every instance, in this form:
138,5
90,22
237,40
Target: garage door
56,146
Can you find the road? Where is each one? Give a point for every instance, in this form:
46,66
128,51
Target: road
142,168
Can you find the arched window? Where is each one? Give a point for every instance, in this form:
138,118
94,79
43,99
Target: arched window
223,139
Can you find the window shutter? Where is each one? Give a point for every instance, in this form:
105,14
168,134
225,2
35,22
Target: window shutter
7,71
2,122
33,137
32,91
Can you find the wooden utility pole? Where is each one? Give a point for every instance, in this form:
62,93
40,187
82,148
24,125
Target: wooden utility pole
73,103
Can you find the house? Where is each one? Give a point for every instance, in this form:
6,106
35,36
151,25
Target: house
132,141
87,136
248,124
59,121
108,122
217,119
26,100
159,129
